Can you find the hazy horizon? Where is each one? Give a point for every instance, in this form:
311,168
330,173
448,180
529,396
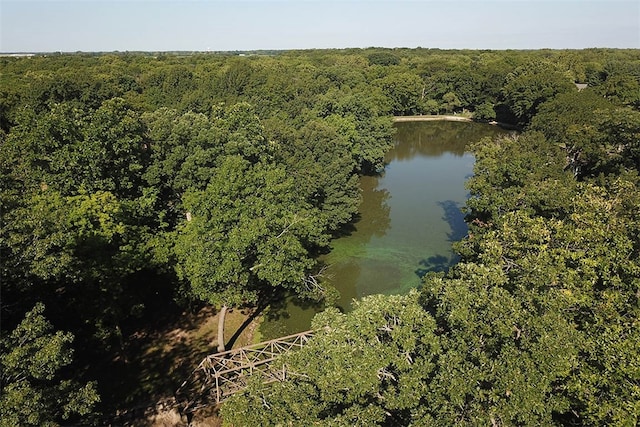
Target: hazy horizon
69,26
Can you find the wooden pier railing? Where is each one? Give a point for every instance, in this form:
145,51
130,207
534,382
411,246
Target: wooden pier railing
220,375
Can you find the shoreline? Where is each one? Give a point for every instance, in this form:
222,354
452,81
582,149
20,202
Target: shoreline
431,118
450,118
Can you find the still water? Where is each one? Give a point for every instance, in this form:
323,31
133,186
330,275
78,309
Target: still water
409,217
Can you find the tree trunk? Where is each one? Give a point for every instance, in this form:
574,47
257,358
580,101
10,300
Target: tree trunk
221,316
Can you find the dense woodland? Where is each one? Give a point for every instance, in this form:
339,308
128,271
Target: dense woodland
132,181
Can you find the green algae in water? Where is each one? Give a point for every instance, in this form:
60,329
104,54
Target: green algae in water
409,217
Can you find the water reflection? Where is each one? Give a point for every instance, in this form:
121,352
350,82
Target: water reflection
409,217
436,138
374,219
292,315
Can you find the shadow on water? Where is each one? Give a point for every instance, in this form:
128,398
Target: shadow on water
347,229
280,310
398,234
454,216
435,264
287,315
288,319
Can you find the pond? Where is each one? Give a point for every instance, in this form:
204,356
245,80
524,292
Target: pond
408,219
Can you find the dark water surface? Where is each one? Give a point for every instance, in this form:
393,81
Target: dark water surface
409,217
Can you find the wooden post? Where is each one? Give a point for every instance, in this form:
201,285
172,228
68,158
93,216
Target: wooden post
221,316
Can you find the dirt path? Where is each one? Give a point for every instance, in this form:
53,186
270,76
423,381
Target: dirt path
158,362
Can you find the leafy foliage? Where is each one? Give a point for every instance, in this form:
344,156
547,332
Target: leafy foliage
404,91
34,389
365,368
246,231
544,300
104,158
531,85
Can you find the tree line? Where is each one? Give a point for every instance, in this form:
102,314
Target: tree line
221,178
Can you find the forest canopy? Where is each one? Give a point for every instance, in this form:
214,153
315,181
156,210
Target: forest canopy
221,178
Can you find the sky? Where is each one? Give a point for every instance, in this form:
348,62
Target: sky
226,25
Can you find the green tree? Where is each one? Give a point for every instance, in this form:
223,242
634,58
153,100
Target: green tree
598,137
533,180
383,58
431,106
368,367
236,79
581,271
570,249
68,148
35,389
322,164
484,113
166,85
619,135
571,120
543,303
76,251
75,212
527,87
504,352
359,116
450,102
621,89
184,149
246,237
405,92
